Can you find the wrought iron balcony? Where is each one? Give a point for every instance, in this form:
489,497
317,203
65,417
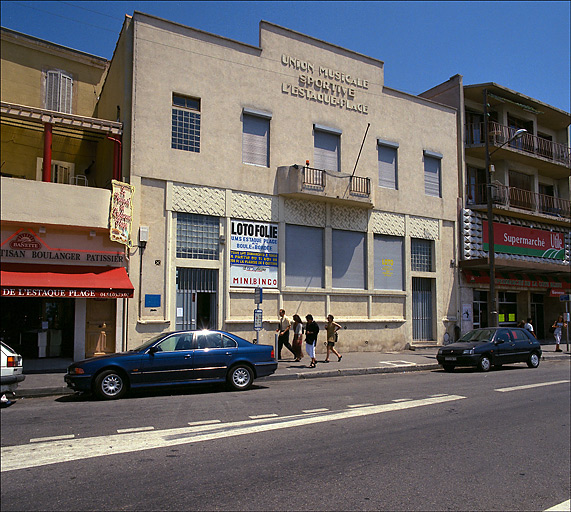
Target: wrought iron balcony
511,197
528,143
297,181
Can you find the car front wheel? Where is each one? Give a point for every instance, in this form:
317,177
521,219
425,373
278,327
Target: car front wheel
110,385
484,364
240,377
533,360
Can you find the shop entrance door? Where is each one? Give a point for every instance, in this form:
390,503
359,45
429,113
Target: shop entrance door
100,326
422,309
196,298
538,320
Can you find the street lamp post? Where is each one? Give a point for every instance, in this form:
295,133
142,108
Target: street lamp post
492,303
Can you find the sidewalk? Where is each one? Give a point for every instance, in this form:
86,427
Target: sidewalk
352,363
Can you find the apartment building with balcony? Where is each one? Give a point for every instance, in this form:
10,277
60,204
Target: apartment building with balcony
63,281
530,194
288,166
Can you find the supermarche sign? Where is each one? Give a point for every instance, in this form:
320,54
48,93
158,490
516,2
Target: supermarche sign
253,254
510,239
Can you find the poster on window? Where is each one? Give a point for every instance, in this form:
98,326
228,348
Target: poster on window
253,254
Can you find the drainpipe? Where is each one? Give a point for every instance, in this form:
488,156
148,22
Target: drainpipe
47,165
116,157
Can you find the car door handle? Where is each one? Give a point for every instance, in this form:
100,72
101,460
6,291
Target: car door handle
187,356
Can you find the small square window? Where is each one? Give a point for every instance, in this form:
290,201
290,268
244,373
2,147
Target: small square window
421,255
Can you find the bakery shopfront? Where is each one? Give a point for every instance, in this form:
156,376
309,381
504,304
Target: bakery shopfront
63,292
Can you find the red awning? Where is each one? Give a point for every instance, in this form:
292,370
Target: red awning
21,280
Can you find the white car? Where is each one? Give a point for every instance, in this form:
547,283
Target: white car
11,369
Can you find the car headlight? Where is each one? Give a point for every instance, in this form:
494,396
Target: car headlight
468,352
439,351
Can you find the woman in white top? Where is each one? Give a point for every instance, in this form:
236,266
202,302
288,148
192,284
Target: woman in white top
558,326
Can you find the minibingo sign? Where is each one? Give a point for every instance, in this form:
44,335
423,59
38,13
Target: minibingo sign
253,254
121,216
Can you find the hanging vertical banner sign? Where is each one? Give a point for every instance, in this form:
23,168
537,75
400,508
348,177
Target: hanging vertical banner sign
121,215
253,254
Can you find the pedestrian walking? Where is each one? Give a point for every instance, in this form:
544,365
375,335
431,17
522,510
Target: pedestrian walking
311,332
332,327
283,333
297,328
529,327
557,328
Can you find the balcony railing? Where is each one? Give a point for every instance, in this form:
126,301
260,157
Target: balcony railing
512,197
528,143
358,185
314,177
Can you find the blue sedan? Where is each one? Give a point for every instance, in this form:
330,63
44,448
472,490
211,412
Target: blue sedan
174,358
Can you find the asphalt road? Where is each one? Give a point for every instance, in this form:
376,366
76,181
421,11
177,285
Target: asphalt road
421,441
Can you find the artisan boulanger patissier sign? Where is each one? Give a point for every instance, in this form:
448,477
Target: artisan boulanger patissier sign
511,239
253,254
24,246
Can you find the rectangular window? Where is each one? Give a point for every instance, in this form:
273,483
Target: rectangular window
432,171
304,256
348,265
421,255
326,149
388,167
185,123
388,262
59,90
197,236
255,140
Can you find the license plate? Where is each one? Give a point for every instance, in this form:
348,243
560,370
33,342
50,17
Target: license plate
451,358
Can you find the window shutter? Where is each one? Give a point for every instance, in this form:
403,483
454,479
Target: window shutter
304,256
389,262
326,151
66,89
431,176
255,140
348,263
52,90
387,167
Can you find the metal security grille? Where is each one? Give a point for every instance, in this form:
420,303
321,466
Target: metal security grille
421,255
421,309
194,286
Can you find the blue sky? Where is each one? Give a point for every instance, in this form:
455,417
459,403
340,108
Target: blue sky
521,45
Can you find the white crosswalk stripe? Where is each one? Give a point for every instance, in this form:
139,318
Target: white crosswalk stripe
53,452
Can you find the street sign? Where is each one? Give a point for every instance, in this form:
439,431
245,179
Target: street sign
257,319
564,298
258,292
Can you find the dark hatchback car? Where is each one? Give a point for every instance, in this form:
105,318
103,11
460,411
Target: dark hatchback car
492,346
174,358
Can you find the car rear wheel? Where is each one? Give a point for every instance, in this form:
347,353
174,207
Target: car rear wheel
448,367
240,377
110,385
533,360
484,364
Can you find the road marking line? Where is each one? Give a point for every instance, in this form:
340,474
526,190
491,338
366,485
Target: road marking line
52,438
135,429
309,411
401,400
260,416
529,386
42,454
207,422
562,507
360,405
398,364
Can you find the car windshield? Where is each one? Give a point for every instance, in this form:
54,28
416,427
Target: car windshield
148,343
478,335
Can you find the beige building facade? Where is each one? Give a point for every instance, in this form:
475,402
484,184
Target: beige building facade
290,167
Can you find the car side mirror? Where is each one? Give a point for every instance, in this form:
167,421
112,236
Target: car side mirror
153,349
500,340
